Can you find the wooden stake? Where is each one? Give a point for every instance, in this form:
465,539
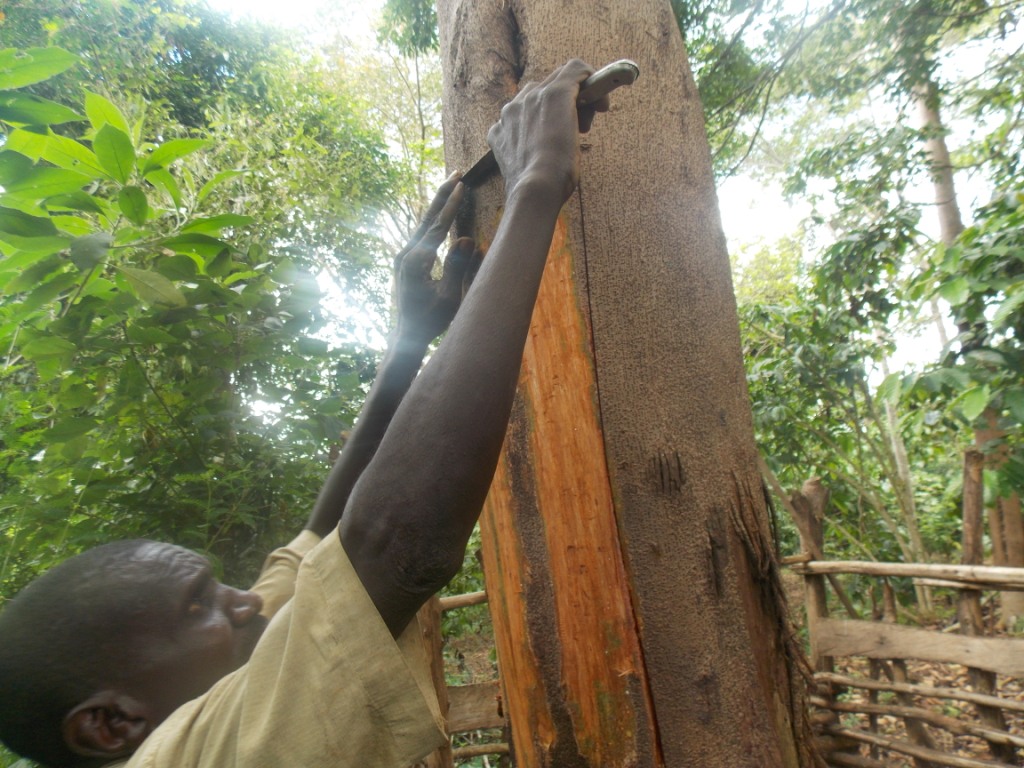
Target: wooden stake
915,728
969,608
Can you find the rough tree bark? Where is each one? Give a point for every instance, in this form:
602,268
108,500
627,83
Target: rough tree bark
627,544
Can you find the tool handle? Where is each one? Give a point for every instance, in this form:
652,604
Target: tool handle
606,80
601,83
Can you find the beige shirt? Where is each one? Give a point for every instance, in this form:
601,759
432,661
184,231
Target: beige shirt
326,686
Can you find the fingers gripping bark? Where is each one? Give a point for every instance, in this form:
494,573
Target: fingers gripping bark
426,306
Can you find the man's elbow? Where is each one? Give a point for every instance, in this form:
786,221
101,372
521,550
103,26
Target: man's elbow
424,573
401,566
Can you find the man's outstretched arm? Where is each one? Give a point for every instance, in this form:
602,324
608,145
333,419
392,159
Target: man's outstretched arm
425,309
410,514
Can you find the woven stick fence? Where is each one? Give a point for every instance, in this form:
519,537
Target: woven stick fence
849,709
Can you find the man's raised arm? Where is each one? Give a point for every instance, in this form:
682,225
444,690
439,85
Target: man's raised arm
425,309
410,515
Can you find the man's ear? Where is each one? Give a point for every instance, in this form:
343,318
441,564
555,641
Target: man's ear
107,724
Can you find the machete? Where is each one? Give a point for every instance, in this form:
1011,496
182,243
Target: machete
601,83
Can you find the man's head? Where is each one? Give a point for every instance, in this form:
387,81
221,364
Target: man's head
101,649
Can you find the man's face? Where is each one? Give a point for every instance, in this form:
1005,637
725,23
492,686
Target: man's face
190,630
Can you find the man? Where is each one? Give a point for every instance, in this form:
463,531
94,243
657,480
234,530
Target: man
133,652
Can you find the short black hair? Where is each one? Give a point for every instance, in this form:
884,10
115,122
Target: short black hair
61,641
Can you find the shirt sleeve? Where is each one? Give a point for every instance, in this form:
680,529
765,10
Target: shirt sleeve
326,687
276,582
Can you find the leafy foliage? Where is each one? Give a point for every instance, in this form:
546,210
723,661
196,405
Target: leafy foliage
165,373
982,279
410,25
842,133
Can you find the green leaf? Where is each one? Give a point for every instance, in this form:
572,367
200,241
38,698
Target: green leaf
44,293
170,151
955,291
216,181
1009,307
214,224
162,179
28,143
70,428
988,358
21,68
114,149
219,265
1014,401
46,347
890,388
77,201
154,288
88,251
77,395
39,246
951,259
101,111
128,235
18,263
147,335
178,267
35,275
238,276
41,182
133,204
13,166
103,288
72,450
311,347
76,226
70,154
195,243
26,109
940,378
15,222
973,402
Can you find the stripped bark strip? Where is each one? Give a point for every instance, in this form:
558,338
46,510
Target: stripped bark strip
906,748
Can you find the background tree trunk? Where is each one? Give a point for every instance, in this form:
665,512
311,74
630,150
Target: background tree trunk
1005,523
1006,526
626,540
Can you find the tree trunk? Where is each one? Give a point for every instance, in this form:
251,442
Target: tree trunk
1005,522
950,222
627,549
969,606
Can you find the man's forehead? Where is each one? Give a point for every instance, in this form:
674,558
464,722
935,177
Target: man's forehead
168,559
